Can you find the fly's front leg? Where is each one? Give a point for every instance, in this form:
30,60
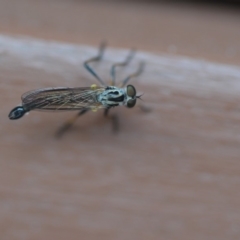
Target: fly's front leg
69,123
144,108
135,74
114,119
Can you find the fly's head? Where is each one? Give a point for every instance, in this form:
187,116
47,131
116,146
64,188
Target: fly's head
131,96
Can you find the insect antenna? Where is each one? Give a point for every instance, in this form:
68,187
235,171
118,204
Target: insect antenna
139,97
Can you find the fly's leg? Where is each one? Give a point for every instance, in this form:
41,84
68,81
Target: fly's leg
114,119
135,74
144,108
121,64
69,123
96,59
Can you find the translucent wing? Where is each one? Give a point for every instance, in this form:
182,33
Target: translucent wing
62,98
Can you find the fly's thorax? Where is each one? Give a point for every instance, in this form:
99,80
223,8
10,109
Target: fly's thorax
113,96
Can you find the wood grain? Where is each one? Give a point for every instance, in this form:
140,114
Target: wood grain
173,173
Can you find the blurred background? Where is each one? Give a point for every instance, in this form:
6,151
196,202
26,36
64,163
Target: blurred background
197,29
173,173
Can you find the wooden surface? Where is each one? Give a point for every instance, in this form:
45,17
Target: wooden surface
173,173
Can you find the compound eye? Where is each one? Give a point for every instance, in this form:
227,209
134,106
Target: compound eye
131,103
131,91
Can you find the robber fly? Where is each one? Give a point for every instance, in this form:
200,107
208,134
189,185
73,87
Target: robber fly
82,99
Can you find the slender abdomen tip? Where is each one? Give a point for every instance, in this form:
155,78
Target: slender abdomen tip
17,113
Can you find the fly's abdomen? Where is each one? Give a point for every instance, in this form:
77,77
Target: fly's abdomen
61,99
17,113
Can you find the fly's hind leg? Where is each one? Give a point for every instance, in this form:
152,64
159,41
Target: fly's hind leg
69,123
114,119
